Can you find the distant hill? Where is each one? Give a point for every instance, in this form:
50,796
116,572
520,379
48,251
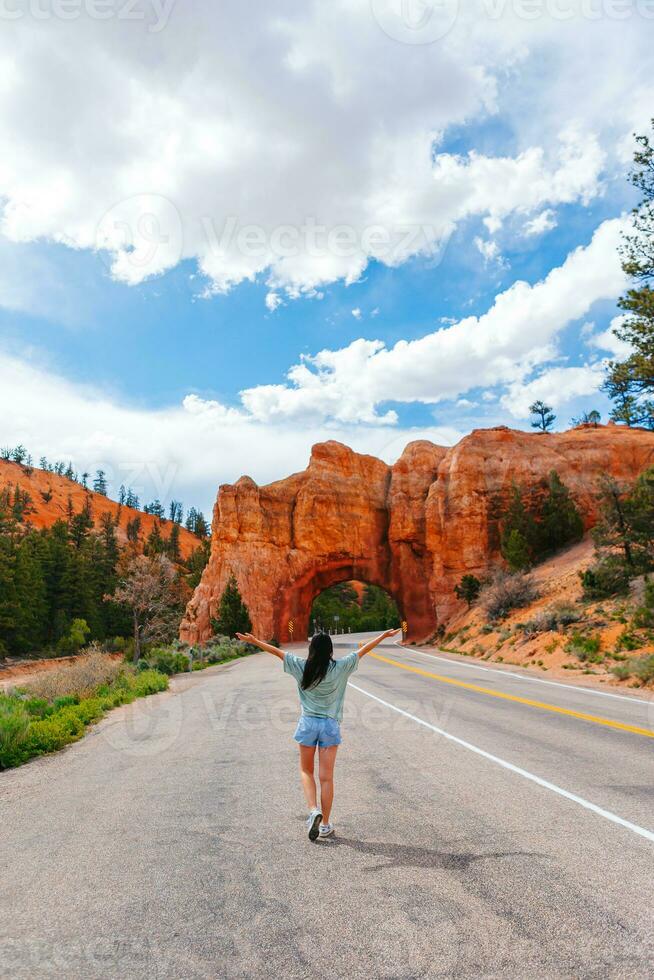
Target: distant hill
51,496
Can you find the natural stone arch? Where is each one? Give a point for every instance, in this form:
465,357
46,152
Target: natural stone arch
414,528
300,595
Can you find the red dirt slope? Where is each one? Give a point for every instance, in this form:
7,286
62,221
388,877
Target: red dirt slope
47,512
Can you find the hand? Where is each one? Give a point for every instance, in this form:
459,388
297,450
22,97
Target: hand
247,638
388,633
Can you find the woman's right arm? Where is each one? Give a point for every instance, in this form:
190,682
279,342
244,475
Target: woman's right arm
266,647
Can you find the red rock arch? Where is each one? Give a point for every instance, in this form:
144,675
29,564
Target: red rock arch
414,528
299,596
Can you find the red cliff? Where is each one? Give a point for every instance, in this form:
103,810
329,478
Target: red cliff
414,528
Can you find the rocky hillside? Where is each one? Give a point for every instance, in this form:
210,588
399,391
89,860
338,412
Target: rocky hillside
593,641
52,495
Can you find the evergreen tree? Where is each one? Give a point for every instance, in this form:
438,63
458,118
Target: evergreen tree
196,564
544,418
173,544
133,530
468,589
122,494
176,512
630,383
516,551
233,616
100,483
519,532
560,522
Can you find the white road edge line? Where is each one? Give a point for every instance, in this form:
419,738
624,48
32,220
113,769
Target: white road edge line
612,817
525,677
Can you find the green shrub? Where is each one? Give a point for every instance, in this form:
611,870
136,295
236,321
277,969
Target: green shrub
627,641
640,667
552,619
643,668
585,647
75,638
167,661
605,578
14,728
48,727
507,592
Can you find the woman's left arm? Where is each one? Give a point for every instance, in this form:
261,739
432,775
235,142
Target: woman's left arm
266,647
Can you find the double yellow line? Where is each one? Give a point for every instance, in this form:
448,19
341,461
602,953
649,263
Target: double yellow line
606,722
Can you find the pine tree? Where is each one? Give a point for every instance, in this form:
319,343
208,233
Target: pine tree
100,483
516,551
519,532
233,616
468,589
630,383
560,523
544,417
173,544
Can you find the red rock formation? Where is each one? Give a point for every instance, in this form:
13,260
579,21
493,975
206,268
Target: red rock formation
50,495
414,528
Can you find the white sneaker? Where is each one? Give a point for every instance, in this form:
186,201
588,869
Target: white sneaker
313,822
326,830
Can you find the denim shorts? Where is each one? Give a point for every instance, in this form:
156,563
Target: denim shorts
322,732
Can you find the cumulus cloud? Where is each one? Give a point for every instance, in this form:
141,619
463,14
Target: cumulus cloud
184,451
296,144
543,222
607,340
556,387
503,346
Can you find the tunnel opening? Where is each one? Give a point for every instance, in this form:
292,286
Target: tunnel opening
353,607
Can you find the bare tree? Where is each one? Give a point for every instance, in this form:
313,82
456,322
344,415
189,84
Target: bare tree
152,591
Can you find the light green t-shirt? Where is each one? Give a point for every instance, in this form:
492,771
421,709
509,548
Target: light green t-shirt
325,700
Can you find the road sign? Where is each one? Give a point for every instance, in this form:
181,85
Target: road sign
405,627
291,627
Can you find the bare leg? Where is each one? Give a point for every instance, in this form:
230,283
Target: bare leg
307,753
327,759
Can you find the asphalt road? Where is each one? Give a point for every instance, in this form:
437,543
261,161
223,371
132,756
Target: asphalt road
477,835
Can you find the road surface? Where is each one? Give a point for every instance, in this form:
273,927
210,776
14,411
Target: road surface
477,835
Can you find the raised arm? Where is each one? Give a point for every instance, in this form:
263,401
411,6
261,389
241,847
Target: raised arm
378,639
266,647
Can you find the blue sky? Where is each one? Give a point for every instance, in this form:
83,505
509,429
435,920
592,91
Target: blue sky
164,356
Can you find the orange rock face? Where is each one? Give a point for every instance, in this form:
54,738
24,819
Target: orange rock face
50,495
414,528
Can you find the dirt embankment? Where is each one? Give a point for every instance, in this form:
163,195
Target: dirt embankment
52,495
552,652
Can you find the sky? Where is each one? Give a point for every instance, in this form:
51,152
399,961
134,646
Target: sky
229,231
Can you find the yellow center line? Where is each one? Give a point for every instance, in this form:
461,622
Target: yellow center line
513,697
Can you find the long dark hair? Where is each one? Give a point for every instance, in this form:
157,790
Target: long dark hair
318,661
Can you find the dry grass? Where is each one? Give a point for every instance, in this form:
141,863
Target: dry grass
82,678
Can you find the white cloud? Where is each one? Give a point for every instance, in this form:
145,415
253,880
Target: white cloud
273,301
607,340
545,221
167,145
490,251
356,313
556,387
503,346
183,451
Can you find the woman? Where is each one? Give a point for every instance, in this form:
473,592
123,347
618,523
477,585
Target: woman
321,682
